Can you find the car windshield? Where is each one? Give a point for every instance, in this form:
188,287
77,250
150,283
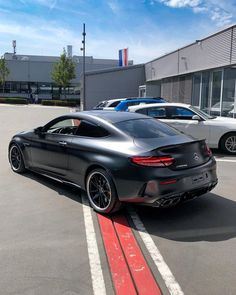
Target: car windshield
146,128
204,115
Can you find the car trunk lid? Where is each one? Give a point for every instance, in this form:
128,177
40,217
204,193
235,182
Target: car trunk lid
186,154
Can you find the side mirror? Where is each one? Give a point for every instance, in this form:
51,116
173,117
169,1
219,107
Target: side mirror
196,117
38,130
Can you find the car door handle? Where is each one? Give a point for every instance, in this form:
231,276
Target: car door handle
63,143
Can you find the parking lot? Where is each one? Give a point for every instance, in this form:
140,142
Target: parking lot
49,234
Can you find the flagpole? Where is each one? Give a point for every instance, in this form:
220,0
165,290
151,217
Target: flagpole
82,98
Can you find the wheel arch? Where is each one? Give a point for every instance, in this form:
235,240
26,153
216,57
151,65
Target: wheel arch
222,136
20,145
93,167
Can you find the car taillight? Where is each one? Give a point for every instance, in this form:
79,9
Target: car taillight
208,151
162,161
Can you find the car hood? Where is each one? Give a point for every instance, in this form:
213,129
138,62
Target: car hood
223,121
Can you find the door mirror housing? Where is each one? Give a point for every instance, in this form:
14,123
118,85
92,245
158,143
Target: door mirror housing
196,117
38,130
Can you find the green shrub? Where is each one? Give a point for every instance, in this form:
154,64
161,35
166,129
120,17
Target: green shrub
13,100
61,103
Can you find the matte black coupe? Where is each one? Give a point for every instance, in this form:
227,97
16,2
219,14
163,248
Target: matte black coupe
117,157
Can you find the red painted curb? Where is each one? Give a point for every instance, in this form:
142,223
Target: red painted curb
119,270
129,269
140,271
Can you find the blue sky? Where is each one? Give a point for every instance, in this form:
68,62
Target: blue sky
149,28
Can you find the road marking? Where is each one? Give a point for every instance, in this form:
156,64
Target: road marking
225,160
169,279
121,276
140,271
93,253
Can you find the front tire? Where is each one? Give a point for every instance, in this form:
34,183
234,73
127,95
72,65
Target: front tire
101,192
16,159
228,143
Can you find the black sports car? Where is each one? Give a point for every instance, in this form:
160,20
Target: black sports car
117,157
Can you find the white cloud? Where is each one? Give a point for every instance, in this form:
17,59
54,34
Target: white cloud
181,3
114,6
48,3
221,17
220,12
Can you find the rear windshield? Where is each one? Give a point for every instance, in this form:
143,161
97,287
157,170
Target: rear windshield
146,128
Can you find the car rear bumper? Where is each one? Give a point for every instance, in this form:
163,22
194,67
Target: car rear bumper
161,186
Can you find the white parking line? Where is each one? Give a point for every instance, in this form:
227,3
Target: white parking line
169,279
93,253
225,160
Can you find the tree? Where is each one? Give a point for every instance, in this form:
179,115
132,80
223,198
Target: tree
4,72
64,71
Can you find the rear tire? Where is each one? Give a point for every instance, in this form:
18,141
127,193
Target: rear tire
101,192
228,143
16,159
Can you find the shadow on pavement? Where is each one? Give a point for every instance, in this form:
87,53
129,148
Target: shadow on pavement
62,189
208,218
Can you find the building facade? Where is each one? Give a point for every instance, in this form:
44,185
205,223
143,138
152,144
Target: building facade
30,74
113,83
202,74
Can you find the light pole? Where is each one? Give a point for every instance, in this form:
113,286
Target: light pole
82,99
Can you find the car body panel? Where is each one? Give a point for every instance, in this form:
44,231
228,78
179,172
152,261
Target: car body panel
210,129
71,162
124,105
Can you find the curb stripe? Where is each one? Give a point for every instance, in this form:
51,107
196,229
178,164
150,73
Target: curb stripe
142,276
93,253
171,284
120,273
225,160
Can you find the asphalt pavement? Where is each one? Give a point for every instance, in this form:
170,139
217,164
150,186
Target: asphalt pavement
46,229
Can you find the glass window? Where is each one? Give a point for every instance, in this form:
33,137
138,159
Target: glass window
196,89
89,129
66,126
216,93
181,113
205,91
114,104
45,88
156,112
228,101
24,88
146,128
142,111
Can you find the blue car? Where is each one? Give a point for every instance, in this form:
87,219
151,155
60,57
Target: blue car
124,105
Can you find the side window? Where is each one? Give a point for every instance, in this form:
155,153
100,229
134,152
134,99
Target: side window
157,112
66,126
181,113
142,111
114,104
88,129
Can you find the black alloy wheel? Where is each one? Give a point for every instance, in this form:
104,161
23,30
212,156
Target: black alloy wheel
16,159
101,192
228,143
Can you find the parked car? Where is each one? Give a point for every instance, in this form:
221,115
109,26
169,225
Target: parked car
111,104
117,157
124,105
219,132
108,104
227,106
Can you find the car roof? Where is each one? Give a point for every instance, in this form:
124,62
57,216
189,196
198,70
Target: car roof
108,116
114,99
164,104
140,99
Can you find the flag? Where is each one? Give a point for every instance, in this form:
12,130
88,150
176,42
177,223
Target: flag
123,57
